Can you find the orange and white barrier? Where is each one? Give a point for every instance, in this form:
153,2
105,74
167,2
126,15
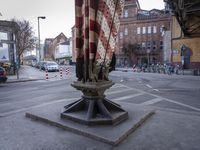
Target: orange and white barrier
60,72
46,75
67,71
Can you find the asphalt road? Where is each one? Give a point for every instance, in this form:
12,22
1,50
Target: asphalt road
173,92
174,126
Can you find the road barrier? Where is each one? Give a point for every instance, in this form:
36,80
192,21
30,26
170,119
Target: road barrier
60,72
47,77
67,71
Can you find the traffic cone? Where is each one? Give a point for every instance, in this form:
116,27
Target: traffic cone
47,77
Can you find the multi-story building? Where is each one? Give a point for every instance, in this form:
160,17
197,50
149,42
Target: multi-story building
52,44
8,51
58,49
47,54
140,39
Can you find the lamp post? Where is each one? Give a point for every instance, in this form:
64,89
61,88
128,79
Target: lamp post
40,17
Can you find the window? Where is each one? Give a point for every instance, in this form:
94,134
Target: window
126,31
143,30
161,29
138,46
154,29
148,44
161,45
138,30
149,30
143,45
120,35
126,13
3,36
154,44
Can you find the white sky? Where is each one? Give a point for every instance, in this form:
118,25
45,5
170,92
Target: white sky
59,14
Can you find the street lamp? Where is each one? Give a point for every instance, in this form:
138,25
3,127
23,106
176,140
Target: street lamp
40,17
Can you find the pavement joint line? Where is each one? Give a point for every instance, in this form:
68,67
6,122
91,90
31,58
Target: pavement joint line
153,101
166,99
36,106
127,97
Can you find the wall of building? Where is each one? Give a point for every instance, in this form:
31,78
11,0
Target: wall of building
128,34
178,40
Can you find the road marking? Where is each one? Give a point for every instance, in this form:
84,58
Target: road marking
166,99
185,105
153,101
156,90
149,86
127,97
36,106
118,91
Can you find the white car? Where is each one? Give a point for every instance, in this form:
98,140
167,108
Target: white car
51,66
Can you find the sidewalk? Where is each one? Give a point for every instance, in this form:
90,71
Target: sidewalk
27,73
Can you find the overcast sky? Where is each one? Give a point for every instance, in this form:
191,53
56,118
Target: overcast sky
59,14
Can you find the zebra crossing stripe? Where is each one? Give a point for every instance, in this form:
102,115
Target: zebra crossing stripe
118,91
127,97
153,101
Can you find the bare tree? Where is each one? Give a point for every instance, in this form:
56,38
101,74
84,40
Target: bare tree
24,36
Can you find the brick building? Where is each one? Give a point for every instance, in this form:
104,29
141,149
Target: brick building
51,44
140,38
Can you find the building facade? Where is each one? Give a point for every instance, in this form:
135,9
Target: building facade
185,49
58,49
185,33
8,51
140,39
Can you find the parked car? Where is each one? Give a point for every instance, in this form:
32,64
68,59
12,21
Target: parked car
40,65
3,75
51,66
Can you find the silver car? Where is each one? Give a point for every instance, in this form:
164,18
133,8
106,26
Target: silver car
51,66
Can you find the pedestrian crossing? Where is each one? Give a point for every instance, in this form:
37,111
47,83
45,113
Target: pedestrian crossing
117,93
123,93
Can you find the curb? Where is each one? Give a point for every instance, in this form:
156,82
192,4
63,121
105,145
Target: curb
22,80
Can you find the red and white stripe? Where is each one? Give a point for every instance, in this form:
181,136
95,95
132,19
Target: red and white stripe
97,24
61,72
67,71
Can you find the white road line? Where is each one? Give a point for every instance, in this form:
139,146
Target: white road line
166,99
185,105
156,90
127,97
36,106
153,101
118,91
149,86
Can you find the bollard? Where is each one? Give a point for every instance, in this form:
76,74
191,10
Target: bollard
47,77
60,72
67,71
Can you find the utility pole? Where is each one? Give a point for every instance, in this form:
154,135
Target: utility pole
40,17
